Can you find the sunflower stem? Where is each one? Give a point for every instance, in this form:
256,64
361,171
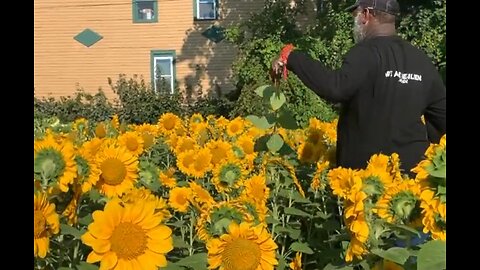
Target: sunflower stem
192,222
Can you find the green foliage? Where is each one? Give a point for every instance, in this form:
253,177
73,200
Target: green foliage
95,107
139,103
425,25
136,103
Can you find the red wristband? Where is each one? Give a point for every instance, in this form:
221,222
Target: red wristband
284,53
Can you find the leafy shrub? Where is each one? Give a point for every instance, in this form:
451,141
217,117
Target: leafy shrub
95,107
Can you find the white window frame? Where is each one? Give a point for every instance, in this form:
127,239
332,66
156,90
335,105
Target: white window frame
207,2
155,58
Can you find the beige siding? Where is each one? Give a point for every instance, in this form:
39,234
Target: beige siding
61,63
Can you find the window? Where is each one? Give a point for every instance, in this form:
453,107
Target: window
163,71
145,11
205,9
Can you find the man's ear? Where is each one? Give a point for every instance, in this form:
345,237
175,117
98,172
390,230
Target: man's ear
367,16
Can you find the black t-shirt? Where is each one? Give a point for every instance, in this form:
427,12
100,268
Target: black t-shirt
385,85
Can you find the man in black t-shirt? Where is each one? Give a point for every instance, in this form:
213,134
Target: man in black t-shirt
384,85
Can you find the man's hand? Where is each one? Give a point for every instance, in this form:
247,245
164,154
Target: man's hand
277,66
277,70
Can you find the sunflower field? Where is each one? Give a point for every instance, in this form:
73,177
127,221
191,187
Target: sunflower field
254,193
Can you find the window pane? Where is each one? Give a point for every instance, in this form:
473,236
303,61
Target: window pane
206,10
164,85
164,66
145,10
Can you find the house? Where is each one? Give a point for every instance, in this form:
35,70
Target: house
82,43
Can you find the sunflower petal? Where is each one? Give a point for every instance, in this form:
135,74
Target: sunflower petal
43,244
109,261
94,257
101,246
122,265
115,212
158,259
146,262
160,246
159,232
151,222
35,248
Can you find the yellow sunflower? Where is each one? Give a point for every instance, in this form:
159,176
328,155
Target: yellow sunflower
45,224
132,141
245,247
100,130
115,122
235,127
168,122
223,212
148,132
128,237
399,202
308,153
142,194
296,263
202,163
185,161
344,181
221,151
54,161
167,178
200,196
434,215
93,145
71,211
228,175
184,144
355,249
179,199
317,183
118,170
256,189
194,120
88,171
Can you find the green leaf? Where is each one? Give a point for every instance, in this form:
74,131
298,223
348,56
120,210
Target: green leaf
86,266
294,233
301,247
179,243
196,261
265,90
432,256
281,263
271,220
394,254
340,267
67,229
260,122
86,220
404,229
299,199
275,143
277,100
286,119
172,266
296,212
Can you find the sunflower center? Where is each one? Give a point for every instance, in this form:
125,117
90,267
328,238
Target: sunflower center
128,241
113,171
169,124
241,254
148,139
181,199
39,223
132,144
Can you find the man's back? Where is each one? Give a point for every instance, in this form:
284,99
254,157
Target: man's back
384,114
